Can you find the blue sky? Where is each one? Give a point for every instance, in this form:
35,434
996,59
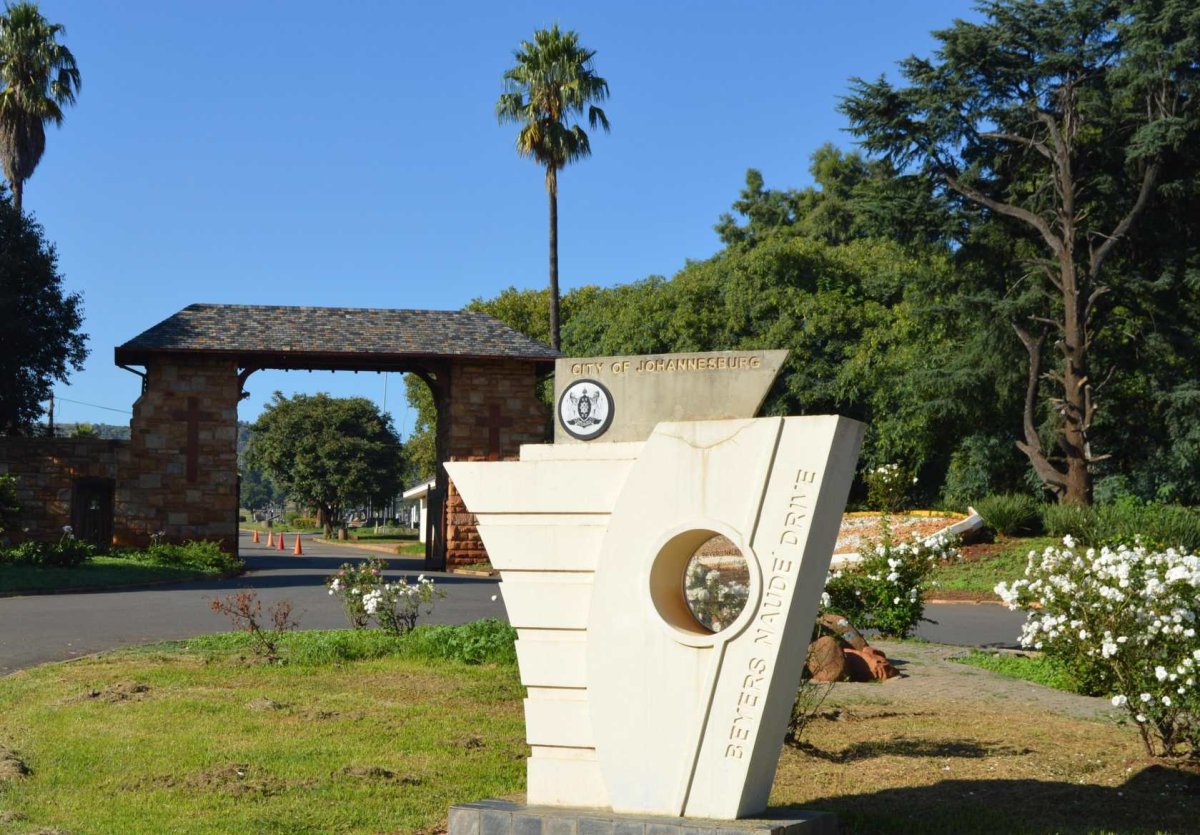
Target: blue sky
348,154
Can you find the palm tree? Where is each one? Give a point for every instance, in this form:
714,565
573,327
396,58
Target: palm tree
39,77
552,81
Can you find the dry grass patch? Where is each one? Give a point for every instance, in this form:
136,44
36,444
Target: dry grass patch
954,768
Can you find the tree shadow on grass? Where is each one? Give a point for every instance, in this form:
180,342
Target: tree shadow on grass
901,746
1159,798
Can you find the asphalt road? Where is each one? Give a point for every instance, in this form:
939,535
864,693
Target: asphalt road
41,628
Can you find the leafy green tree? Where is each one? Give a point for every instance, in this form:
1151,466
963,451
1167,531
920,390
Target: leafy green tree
259,491
851,198
553,82
526,311
84,430
420,450
39,76
327,453
40,340
1060,120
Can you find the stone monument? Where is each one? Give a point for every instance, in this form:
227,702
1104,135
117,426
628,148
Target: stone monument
635,707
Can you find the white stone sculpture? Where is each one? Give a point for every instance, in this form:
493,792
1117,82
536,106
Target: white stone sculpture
632,704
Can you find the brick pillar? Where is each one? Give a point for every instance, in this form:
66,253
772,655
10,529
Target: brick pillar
181,476
493,409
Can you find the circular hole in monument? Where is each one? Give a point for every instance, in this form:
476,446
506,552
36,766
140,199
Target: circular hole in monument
716,583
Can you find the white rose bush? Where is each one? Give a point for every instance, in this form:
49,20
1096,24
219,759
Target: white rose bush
715,599
886,590
889,486
396,606
1123,619
366,595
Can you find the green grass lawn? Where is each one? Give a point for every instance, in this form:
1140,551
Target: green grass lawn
100,572
249,525
369,535
985,566
406,544
1035,668
194,738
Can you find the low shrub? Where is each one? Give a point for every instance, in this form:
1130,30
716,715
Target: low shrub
1011,514
888,487
886,591
10,507
244,610
302,522
1162,526
1076,521
806,709
68,552
487,641
1122,620
1127,522
202,555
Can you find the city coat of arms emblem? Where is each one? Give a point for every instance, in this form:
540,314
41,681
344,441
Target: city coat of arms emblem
585,409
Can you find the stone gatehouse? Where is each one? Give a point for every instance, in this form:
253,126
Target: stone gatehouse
177,475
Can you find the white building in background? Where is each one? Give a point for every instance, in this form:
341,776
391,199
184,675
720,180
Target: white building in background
419,510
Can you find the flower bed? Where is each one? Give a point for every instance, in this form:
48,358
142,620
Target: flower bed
858,529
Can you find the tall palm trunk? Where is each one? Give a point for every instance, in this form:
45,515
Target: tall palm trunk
552,188
18,188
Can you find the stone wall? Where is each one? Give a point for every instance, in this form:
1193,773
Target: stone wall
181,475
494,408
47,470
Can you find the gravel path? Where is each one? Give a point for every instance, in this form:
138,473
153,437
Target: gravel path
927,675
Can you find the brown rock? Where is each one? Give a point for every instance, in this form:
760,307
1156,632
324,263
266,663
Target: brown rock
827,660
842,628
869,664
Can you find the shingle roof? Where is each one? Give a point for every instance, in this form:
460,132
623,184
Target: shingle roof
265,332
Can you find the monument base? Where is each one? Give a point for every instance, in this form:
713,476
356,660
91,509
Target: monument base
499,817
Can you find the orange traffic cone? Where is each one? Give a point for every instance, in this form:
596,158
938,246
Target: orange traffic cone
281,540
256,537
298,551
270,538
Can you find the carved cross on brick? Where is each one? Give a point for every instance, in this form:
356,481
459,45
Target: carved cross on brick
193,416
494,423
